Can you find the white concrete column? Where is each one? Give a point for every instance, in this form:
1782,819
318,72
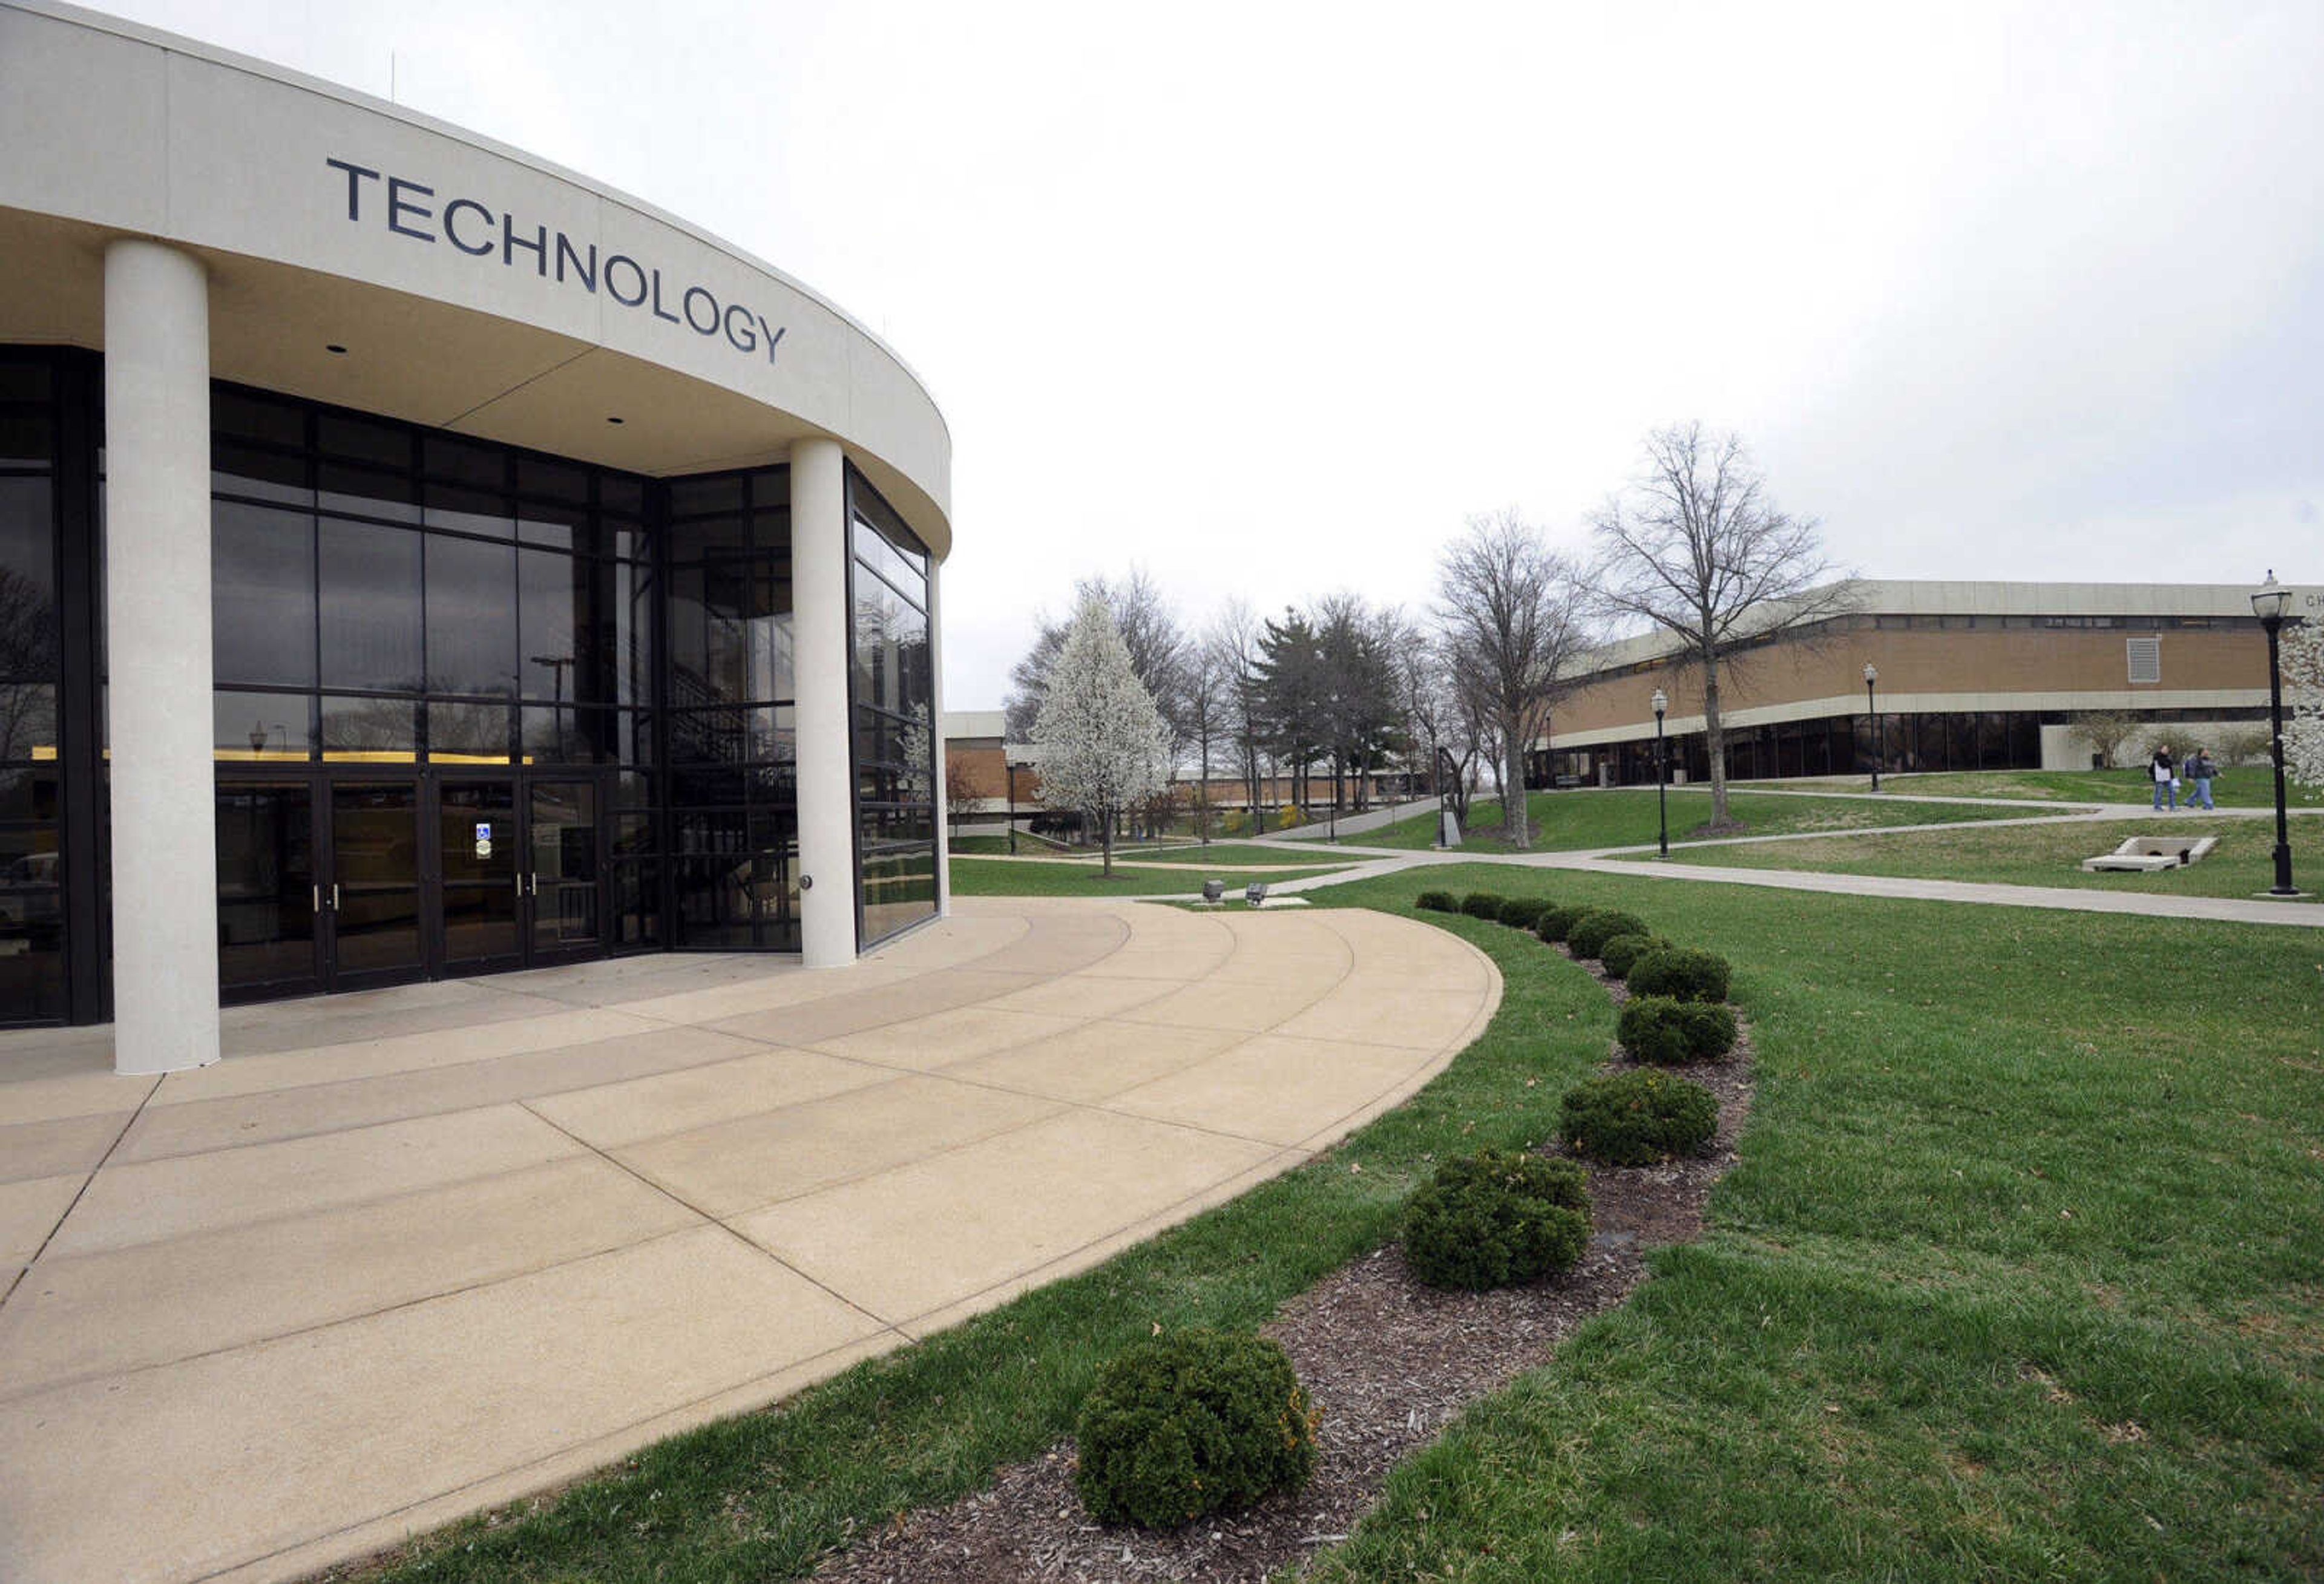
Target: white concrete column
935,719
157,609
820,626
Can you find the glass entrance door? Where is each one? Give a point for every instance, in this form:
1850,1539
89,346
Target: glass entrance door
481,893
269,937
372,897
561,884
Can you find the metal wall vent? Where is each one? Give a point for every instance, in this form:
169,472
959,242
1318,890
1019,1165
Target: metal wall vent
2145,660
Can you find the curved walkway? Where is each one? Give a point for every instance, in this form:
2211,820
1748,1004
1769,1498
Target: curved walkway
1372,862
411,1253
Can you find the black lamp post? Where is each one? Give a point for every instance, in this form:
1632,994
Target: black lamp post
1880,736
1662,775
1012,803
2269,603
1445,772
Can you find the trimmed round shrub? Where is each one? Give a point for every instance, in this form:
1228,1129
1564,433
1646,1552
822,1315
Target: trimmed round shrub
1658,1029
1193,1423
1682,973
1553,923
1437,902
1496,1218
1520,912
1481,904
1619,953
1637,1118
1588,934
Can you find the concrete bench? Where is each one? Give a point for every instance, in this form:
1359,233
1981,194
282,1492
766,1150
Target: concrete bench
2144,854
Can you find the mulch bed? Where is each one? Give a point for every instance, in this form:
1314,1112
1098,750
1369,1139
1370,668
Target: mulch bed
1390,1361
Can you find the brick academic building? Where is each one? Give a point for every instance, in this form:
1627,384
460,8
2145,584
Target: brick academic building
1969,676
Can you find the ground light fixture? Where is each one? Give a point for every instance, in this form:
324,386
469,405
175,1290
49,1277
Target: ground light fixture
1255,893
1872,708
1213,890
1662,774
2269,603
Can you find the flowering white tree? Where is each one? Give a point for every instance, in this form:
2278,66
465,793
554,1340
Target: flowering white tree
2303,701
1104,748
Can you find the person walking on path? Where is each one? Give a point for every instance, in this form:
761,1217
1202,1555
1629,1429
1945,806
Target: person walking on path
2200,768
2166,774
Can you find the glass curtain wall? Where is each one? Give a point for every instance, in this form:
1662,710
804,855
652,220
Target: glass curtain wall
32,895
384,596
733,777
889,685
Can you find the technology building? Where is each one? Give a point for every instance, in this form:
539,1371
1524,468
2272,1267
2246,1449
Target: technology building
418,560
1965,677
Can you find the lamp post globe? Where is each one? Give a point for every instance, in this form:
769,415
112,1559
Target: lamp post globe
2269,602
1662,777
1872,708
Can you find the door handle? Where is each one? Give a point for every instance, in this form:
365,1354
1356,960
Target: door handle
335,895
314,899
519,885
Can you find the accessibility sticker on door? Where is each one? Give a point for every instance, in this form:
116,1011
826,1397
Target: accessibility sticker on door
484,840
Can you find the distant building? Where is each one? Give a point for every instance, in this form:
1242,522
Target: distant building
1969,676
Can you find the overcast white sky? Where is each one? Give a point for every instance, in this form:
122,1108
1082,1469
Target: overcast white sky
1267,298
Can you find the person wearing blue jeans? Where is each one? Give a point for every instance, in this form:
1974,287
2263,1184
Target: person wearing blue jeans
2200,768
2165,775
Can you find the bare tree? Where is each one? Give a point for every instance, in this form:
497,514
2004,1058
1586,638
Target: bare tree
1510,611
1205,694
960,788
1234,634
1697,549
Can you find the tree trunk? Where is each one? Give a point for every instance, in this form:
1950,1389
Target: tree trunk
1714,737
1105,824
1513,795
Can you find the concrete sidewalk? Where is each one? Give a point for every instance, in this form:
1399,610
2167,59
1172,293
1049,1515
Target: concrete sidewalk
407,1254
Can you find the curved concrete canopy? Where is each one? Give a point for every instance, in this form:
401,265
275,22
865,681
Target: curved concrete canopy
473,286
431,1249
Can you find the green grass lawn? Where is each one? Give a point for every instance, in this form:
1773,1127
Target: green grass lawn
2242,865
2236,786
984,877
2021,1276
1626,816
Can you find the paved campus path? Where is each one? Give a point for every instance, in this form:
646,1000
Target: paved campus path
1372,861
406,1254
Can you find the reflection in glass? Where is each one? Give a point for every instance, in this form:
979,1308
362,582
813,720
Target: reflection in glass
370,606
261,594
460,731
555,631
242,470
365,491
568,736
28,792
260,727
630,602
636,903
27,567
471,641
265,880
466,512
28,721
563,888
376,731
376,855
476,825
